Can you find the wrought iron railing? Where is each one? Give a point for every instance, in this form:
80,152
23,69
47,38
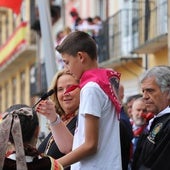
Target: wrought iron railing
127,30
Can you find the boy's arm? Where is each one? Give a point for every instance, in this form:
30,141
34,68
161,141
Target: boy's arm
89,147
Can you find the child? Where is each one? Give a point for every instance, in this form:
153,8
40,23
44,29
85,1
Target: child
96,142
20,127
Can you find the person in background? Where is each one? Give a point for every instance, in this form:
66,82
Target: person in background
66,106
140,119
123,114
67,30
129,103
59,38
79,24
96,142
74,15
20,127
153,147
97,25
126,133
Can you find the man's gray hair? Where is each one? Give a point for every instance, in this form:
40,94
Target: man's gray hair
162,76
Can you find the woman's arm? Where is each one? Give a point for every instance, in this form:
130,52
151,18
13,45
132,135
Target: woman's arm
89,147
61,134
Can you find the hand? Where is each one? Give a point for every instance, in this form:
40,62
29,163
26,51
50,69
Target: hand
47,108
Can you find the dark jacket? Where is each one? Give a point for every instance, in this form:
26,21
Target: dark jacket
153,148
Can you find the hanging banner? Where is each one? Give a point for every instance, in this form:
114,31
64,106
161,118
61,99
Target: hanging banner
14,43
15,5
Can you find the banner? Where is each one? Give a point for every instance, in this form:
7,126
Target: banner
14,43
15,5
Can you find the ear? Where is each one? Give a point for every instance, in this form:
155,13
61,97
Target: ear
81,56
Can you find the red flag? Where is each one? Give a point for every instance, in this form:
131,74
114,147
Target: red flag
13,4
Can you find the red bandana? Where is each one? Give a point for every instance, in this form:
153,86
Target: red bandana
137,132
107,79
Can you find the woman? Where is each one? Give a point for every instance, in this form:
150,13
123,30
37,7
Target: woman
66,106
14,129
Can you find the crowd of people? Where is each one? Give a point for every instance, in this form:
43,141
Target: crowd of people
90,126
90,25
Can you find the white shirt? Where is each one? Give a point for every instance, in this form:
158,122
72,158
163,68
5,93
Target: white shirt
94,101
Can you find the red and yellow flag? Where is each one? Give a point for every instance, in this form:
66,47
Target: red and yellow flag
15,5
13,44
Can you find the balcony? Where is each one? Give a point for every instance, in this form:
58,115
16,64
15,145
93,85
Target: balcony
17,47
128,35
116,39
152,30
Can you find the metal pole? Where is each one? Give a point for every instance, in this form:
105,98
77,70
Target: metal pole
47,39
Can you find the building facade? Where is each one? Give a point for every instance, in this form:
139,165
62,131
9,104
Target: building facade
17,56
133,38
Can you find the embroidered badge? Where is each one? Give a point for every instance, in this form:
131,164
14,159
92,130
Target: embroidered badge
154,132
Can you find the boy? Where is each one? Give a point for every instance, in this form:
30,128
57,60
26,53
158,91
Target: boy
96,143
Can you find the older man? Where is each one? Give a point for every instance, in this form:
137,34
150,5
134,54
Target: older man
153,148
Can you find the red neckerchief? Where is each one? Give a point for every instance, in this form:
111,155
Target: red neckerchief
138,131
71,88
147,116
108,80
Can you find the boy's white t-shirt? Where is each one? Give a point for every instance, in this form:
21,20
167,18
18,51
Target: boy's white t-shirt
94,101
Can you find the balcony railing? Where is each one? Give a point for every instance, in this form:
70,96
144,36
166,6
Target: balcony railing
152,30
127,31
14,42
116,36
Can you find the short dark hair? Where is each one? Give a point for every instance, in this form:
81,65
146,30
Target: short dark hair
133,97
78,41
